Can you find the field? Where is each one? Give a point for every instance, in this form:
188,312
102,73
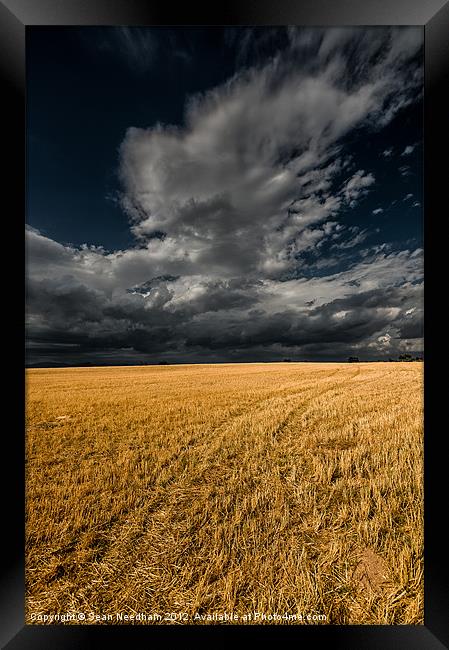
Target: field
288,489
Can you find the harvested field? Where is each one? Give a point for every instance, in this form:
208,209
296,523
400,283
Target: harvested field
186,491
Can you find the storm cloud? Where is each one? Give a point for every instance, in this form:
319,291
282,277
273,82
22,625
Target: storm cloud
241,248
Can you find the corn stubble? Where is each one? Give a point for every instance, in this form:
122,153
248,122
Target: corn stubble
290,488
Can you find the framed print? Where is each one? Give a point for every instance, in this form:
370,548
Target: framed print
228,424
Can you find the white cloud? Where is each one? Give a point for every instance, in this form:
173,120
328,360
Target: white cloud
357,187
408,150
378,211
357,237
384,340
255,163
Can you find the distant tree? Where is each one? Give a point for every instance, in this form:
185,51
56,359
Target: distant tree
353,360
286,360
163,363
405,357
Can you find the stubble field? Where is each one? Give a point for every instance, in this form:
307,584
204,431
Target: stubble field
188,491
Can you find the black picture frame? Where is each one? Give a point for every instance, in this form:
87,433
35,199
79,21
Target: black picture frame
433,15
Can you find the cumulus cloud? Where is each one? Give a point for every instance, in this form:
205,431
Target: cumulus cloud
357,186
257,158
225,210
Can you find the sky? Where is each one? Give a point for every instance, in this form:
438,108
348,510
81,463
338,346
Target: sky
208,194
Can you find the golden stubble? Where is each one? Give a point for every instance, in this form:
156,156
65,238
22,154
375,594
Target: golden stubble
287,488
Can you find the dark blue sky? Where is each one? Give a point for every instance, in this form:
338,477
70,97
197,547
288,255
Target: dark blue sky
83,92
223,194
